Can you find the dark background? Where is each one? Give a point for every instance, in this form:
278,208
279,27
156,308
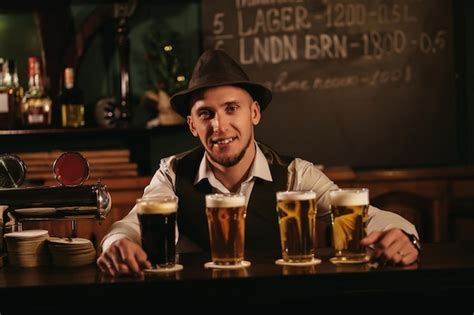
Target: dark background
426,122
402,111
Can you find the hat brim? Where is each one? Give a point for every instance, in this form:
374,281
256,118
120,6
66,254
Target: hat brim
181,101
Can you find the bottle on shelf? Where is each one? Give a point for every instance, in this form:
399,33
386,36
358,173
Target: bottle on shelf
71,102
10,94
36,105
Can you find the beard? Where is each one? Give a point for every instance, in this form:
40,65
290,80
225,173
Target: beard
230,161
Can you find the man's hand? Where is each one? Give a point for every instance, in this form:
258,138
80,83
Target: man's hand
392,246
123,257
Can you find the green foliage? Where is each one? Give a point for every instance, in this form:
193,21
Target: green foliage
163,59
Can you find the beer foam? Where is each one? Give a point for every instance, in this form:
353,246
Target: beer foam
226,201
296,195
150,207
350,197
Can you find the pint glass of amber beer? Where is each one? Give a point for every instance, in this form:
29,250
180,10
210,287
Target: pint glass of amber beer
226,221
157,217
349,208
297,221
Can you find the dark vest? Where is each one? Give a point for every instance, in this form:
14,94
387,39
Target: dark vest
261,223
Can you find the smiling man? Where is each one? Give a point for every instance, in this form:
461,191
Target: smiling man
222,107
223,118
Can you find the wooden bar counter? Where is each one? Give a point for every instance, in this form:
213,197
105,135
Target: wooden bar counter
444,273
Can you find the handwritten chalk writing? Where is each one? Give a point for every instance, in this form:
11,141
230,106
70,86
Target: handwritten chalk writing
285,19
284,84
277,31
371,79
384,76
409,17
254,3
275,49
218,23
324,46
357,14
429,45
382,61
321,83
377,44
270,49
343,15
377,77
388,14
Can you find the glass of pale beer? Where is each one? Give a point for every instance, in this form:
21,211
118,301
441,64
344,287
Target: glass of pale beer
157,217
226,221
349,209
297,221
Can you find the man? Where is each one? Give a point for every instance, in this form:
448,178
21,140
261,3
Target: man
222,107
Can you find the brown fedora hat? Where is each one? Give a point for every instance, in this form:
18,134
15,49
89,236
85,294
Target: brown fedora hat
216,68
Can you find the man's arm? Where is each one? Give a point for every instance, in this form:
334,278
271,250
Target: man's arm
162,183
381,220
304,175
121,247
388,232
309,177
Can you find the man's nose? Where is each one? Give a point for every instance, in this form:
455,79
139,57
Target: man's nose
218,123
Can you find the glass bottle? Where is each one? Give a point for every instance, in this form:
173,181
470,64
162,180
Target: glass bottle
72,102
36,105
10,94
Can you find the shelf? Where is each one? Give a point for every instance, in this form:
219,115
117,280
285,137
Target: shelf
88,131
52,131
145,145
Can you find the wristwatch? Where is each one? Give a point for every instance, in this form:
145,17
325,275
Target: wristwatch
414,240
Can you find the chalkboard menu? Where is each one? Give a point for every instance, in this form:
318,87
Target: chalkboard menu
360,83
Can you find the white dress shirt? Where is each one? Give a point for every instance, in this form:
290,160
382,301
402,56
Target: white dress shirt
302,175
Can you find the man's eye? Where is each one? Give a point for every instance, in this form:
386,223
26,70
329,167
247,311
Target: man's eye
231,108
205,114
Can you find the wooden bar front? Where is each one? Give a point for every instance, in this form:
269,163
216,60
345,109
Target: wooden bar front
444,273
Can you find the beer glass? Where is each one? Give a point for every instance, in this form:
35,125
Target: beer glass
226,221
297,222
349,208
157,217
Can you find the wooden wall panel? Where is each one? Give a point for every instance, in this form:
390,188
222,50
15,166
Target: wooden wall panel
446,197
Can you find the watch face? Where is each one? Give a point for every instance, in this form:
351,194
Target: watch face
415,241
71,169
12,171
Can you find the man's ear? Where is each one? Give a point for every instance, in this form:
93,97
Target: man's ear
190,122
255,112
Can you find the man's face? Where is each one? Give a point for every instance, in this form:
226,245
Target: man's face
224,119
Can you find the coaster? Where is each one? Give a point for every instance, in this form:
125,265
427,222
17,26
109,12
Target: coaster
176,267
242,264
69,241
314,261
27,234
338,260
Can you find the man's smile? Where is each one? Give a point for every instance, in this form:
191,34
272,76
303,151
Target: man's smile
222,141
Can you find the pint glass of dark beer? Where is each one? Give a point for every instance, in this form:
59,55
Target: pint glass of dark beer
297,221
157,217
226,221
349,208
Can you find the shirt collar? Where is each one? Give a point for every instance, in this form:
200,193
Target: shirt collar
259,168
